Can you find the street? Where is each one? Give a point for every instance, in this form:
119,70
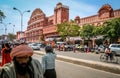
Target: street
84,36
81,55
69,70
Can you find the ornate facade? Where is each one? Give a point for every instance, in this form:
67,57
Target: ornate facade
105,13
42,27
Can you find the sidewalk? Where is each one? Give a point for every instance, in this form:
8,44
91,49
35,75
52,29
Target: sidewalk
93,64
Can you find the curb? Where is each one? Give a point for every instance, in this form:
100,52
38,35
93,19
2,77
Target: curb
93,64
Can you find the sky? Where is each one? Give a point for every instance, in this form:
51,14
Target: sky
81,8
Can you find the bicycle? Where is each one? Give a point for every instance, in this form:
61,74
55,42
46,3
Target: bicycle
105,58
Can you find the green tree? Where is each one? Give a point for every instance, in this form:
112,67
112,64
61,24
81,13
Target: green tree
11,37
87,31
98,30
68,29
2,16
111,29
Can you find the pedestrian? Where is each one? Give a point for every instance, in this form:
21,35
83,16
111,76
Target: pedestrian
6,54
85,48
48,63
22,65
63,47
108,54
58,47
74,48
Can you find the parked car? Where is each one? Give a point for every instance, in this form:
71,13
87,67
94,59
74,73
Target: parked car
39,44
34,46
115,48
101,48
79,47
68,47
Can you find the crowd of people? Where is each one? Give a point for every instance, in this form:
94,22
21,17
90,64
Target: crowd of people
17,62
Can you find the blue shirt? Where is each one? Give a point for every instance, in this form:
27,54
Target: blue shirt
48,61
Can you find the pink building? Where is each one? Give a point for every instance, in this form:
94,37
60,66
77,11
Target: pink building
104,13
40,27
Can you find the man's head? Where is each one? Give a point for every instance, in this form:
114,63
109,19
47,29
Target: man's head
21,55
48,49
6,45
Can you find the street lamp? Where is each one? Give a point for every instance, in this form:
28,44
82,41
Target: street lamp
13,28
21,13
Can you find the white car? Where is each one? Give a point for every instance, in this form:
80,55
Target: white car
101,48
115,48
34,46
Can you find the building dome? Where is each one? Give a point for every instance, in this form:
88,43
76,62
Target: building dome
37,11
77,17
106,7
105,11
59,3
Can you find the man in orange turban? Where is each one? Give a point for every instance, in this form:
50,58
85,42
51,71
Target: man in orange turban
23,65
21,50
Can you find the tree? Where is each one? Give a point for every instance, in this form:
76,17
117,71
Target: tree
87,31
68,29
98,31
2,16
111,29
11,37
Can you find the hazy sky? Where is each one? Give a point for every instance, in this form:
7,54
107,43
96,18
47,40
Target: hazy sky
82,8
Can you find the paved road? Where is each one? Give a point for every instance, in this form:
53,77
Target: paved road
80,55
98,65
86,56
69,70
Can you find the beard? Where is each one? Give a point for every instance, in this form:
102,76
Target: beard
22,68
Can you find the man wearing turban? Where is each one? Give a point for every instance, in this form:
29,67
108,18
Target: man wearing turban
22,65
